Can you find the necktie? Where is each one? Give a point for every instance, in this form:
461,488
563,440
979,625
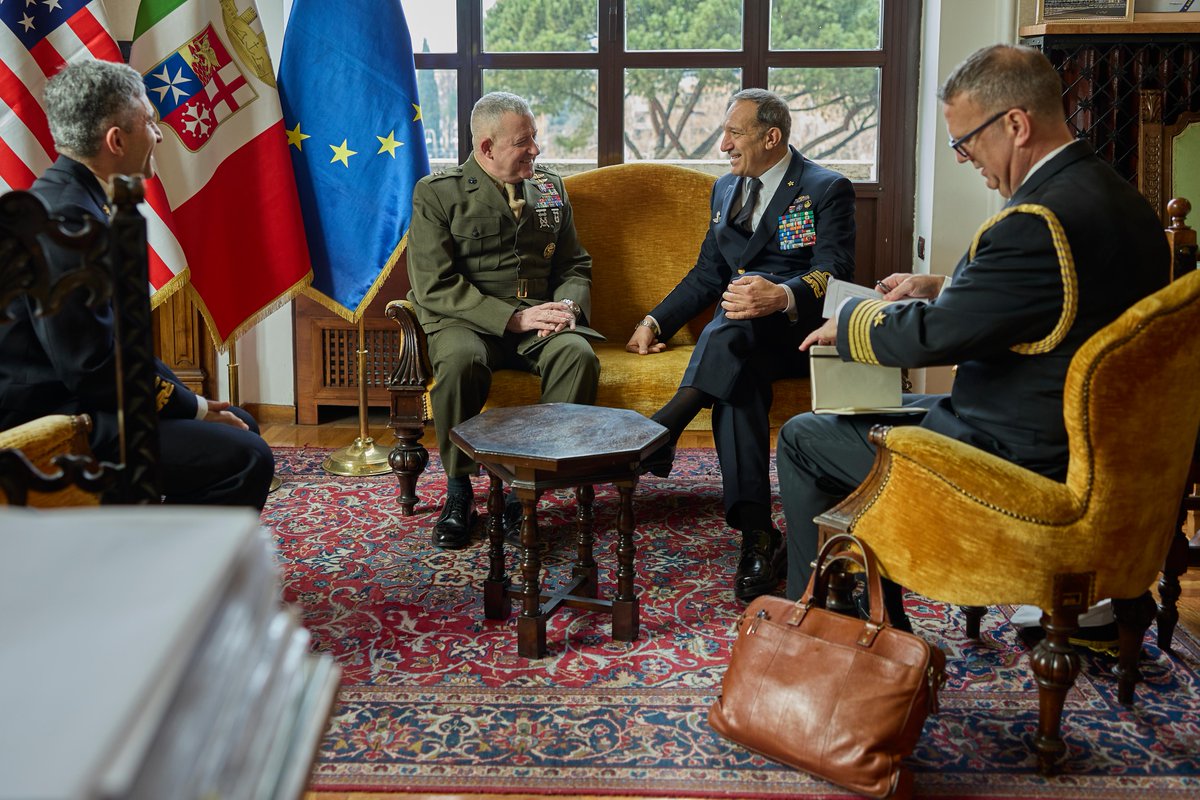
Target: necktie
742,220
514,202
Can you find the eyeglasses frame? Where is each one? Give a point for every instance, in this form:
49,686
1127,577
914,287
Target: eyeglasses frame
957,144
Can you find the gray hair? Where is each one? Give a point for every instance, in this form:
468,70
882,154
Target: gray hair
490,109
1004,76
772,111
87,98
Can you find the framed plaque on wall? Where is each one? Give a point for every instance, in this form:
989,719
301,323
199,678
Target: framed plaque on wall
1098,10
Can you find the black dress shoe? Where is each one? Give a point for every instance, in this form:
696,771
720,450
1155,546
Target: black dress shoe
893,604
513,514
452,531
659,462
764,558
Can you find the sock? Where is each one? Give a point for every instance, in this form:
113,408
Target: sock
751,517
458,484
682,409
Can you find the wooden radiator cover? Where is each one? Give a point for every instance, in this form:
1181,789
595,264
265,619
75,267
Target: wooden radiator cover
326,352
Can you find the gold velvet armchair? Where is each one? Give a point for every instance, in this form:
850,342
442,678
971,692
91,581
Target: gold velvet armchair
957,524
46,461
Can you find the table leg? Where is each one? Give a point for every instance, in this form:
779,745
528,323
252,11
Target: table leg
585,562
531,625
496,603
625,604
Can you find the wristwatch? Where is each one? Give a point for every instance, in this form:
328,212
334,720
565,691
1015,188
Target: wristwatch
572,306
646,322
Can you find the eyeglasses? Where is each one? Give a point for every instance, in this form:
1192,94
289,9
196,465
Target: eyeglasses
957,144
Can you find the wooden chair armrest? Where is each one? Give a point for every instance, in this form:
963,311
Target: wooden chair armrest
49,454
45,437
412,367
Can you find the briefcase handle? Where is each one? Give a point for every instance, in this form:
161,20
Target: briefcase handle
839,549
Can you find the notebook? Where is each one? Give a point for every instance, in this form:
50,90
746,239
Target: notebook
849,387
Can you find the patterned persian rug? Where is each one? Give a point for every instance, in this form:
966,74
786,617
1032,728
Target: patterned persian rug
435,698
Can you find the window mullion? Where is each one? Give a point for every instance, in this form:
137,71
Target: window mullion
756,18
470,74
610,84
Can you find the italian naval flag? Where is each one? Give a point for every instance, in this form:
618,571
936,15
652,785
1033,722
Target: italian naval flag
223,161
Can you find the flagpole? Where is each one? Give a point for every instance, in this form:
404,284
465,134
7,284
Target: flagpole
363,457
232,371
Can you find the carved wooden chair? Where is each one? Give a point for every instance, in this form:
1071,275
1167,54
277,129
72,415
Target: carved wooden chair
47,461
988,532
1183,553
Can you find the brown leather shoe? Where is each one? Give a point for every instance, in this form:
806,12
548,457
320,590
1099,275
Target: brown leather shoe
763,564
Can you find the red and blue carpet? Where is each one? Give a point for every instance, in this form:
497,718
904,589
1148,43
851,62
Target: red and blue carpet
435,698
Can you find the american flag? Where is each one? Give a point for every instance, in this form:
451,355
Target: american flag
37,38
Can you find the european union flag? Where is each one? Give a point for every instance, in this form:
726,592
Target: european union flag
353,119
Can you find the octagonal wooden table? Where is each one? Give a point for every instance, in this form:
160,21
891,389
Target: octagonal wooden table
553,446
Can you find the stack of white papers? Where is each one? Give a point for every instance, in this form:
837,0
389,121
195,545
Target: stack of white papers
146,653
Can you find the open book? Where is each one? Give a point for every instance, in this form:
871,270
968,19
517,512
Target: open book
848,387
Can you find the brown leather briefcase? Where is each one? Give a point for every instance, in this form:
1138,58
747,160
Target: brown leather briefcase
836,696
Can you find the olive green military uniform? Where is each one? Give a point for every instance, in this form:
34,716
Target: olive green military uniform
471,265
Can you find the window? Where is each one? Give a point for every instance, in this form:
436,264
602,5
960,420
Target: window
612,81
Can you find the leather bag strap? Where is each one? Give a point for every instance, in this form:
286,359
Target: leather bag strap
840,548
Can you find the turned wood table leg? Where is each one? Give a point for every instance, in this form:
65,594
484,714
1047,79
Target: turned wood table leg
531,625
625,604
496,602
585,561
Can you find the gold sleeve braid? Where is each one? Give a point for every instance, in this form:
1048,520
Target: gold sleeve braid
818,281
858,328
1066,268
163,391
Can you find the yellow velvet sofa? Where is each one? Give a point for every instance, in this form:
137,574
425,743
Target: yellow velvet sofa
643,224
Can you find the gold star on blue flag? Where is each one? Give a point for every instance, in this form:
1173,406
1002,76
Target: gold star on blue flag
346,79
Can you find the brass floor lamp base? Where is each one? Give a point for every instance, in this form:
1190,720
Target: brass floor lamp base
363,457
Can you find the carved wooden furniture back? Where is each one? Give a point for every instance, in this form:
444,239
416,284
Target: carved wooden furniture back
113,270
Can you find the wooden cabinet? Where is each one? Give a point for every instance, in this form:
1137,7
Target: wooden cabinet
1105,68
182,341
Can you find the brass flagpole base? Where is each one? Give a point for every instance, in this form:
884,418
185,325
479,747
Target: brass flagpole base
276,482
363,457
